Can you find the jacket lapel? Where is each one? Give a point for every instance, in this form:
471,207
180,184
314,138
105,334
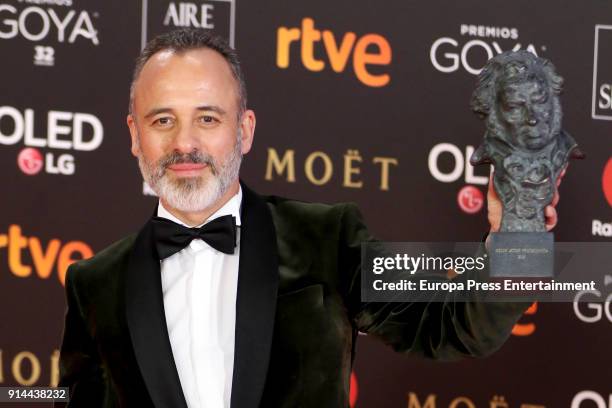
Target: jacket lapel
147,324
255,311
256,301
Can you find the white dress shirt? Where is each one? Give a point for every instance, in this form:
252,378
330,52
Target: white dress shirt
199,285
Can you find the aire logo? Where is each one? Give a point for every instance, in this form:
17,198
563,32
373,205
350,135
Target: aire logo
337,52
188,15
45,259
160,16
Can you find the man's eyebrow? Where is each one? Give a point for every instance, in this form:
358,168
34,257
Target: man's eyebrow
209,108
212,108
156,111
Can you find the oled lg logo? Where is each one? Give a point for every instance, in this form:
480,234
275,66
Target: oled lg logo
591,399
64,131
458,164
602,79
30,161
340,51
475,45
447,163
38,24
470,199
161,16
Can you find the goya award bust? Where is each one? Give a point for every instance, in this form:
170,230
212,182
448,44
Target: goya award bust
518,96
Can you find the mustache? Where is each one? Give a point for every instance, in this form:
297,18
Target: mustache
193,157
542,129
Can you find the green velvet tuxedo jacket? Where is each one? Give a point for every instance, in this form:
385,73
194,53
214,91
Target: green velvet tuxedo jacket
298,314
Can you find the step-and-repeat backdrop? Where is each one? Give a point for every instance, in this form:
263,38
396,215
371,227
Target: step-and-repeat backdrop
358,101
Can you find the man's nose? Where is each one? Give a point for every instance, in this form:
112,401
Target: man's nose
532,120
186,139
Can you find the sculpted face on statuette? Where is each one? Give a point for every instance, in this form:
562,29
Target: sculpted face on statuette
518,97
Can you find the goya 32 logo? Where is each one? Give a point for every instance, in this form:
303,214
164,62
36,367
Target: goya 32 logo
57,23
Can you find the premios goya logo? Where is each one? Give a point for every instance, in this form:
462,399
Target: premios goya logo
161,15
593,306
47,24
474,46
49,138
602,75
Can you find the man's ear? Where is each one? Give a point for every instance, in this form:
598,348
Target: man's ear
247,126
131,122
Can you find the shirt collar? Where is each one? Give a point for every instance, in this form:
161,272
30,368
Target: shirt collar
231,207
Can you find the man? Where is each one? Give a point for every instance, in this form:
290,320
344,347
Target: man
262,307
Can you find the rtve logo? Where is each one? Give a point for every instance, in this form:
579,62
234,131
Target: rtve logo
369,49
44,258
601,228
526,329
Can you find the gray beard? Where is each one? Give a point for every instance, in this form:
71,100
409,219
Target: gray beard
196,193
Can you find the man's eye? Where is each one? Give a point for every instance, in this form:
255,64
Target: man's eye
512,107
165,121
540,98
208,119
515,168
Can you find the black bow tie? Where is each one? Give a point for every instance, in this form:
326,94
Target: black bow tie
171,237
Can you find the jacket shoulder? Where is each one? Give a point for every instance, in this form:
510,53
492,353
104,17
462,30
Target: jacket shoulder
313,220
106,262
304,211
